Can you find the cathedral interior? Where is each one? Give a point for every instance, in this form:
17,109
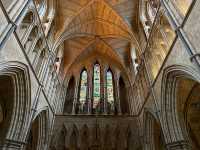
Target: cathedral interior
100,75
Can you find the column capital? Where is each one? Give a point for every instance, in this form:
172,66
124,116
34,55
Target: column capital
179,145
12,145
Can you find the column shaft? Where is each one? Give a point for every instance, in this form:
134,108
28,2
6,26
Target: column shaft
103,90
90,90
76,92
117,95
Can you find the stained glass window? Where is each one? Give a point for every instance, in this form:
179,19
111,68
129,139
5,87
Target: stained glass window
96,84
109,88
83,89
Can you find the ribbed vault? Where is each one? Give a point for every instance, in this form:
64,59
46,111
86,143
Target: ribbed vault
103,26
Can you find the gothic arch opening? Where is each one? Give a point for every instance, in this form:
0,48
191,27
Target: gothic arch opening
14,101
123,97
68,106
153,133
188,107
181,115
6,104
37,138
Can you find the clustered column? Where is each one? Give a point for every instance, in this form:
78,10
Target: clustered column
76,93
90,90
117,94
103,89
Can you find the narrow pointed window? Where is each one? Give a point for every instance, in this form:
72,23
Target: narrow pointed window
110,92
83,91
96,87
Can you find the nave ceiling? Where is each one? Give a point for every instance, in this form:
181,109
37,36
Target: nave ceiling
107,27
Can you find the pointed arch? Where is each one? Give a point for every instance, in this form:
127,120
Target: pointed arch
69,99
83,91
15,99
174,78
110,91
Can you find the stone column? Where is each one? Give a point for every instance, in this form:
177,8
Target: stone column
129,98
76,92
117,94
90,90
103,89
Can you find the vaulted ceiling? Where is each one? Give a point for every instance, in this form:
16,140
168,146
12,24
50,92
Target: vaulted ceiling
107,27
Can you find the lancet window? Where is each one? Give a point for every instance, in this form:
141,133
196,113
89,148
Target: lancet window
83,91
110,91
96,92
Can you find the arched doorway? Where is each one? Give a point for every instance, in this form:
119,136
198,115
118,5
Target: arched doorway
180,107
123,97
37,138
69,96
14,103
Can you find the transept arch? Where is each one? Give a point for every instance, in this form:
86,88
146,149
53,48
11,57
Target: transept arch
179,107
154,139
15,99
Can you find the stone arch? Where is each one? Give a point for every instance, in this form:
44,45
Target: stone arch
173,122
68,105
38,134
15,99
153,139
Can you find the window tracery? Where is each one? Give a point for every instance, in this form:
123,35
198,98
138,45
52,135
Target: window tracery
105,97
